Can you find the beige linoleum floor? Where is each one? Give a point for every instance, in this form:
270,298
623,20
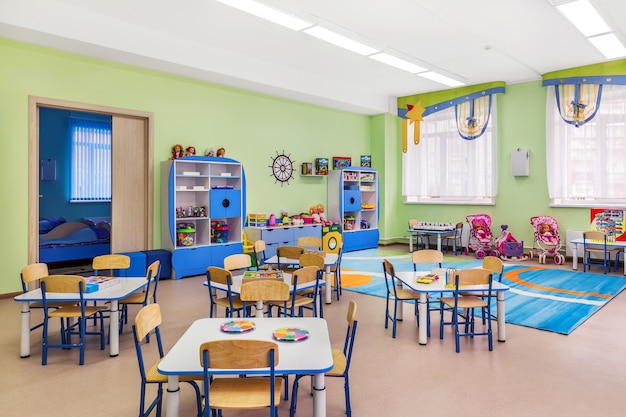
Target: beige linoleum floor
534,373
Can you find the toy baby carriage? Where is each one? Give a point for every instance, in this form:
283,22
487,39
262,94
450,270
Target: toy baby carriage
547,240
508,246
481,238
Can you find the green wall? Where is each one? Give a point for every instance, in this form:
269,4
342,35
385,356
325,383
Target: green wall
521,124
253,127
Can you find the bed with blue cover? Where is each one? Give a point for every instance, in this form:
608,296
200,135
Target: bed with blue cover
61,241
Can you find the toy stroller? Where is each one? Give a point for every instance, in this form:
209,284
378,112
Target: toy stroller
481,238
509,247
547,240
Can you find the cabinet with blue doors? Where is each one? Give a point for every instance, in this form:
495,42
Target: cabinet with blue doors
202,209
353,201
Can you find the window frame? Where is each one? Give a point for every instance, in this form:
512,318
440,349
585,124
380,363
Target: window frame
428,130
565,141
90,160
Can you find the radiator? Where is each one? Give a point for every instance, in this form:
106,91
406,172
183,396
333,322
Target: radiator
569,236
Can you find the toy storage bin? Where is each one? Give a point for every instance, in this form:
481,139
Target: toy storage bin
185,234
257,220
220,232
348,223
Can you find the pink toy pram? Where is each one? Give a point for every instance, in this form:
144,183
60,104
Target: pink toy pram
508,246
547,240
481,238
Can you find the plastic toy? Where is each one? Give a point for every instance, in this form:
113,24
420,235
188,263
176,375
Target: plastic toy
547,241
186,234
481,238
509,247
177,151
219,232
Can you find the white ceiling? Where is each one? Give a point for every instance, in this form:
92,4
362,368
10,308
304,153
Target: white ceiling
473,41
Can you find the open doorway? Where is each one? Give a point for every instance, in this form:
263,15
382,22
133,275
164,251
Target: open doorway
132,198
72,231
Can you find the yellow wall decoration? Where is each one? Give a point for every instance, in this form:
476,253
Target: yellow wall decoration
414,116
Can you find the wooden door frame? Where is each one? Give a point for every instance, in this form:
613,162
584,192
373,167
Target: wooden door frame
34,103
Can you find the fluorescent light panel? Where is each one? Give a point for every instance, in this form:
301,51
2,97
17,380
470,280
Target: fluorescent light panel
442,79
608,45
385,58
268,13
340,40
586,19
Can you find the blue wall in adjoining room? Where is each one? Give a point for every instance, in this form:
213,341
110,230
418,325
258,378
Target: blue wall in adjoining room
54,145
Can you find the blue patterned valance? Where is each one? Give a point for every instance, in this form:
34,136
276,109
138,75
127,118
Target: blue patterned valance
578,98
472,108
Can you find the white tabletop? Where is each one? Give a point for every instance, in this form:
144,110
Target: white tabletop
409,279
330,259
114,293
235,287
310,356
126,287
581,241
439,286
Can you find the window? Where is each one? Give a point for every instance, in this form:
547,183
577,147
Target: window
91,160
587,164
444,168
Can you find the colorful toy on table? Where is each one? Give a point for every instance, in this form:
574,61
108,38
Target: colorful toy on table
237,326
427,279
272,275
290,334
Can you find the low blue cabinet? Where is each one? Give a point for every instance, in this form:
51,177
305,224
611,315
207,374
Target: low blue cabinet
202,212
282,235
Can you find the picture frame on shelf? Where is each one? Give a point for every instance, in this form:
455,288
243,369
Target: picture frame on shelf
340,162
366,161
307,168
321,166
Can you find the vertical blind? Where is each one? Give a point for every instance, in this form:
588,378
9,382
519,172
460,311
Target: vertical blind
91,160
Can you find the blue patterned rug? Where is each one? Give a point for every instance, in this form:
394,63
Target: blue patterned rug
542,298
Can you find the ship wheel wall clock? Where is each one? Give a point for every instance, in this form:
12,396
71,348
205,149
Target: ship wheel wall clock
282,168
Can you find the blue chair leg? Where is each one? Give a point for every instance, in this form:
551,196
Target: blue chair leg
294,396
347,390
455,319
395,318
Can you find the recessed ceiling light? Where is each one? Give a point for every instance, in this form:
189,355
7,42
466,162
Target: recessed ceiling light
398,63
586,19
442,79
609,45
340,40
268,13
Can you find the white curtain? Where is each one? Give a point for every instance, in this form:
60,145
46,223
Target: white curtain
586,165
444,168
91,160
